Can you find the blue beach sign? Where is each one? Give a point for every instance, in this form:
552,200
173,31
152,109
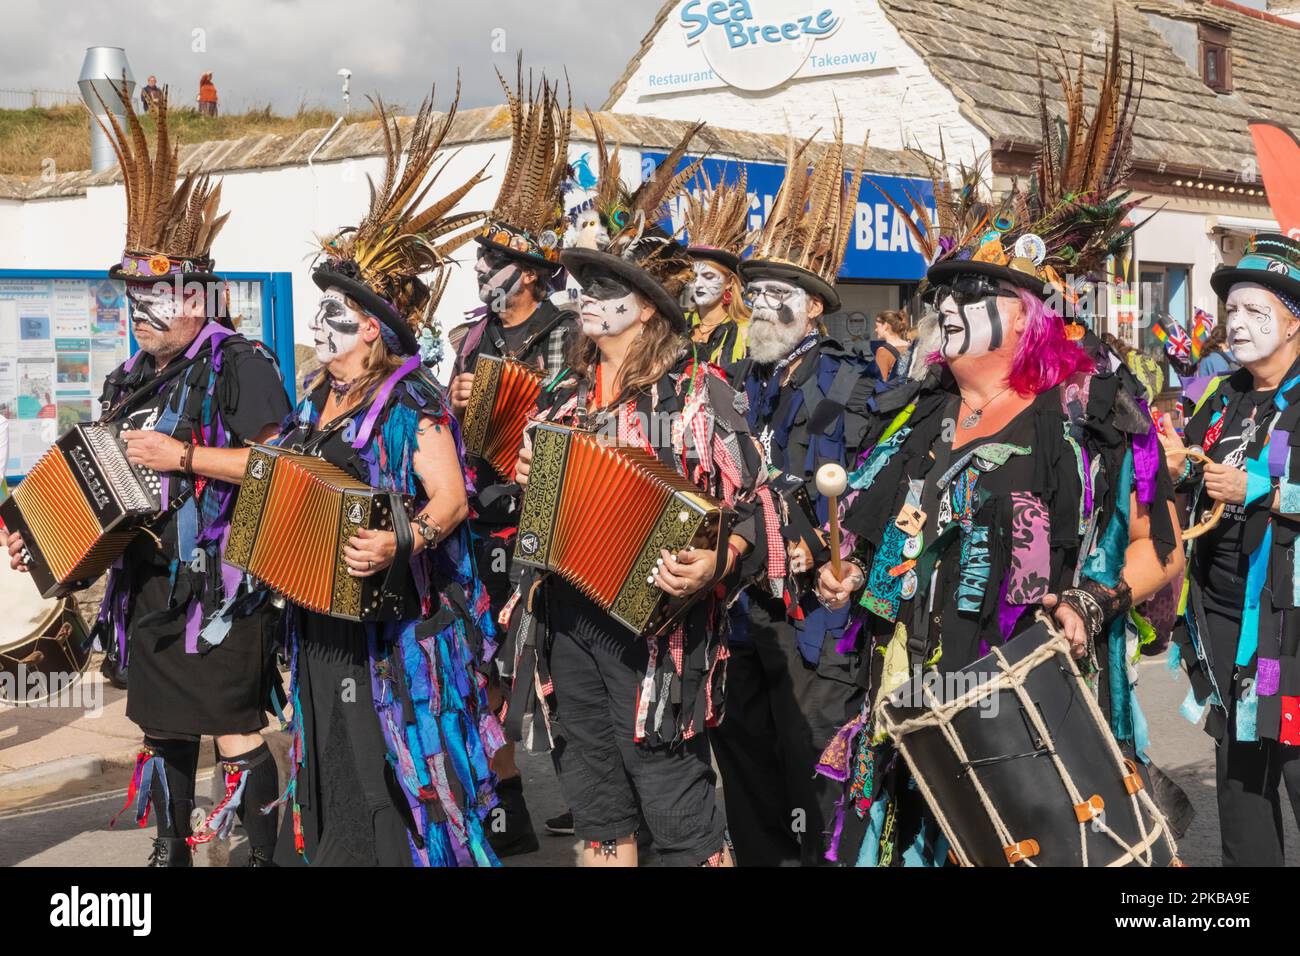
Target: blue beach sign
881,247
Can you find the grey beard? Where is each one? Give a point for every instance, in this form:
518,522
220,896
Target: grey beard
770,341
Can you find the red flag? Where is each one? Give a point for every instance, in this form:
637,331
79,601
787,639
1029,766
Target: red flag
1278,153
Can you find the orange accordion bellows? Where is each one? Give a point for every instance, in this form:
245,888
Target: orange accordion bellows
503,397
80,506
294,515
598,514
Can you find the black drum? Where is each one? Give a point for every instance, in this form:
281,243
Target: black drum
1019,766
38,636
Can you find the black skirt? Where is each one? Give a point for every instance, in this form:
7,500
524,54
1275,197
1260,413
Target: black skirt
351,805
172,693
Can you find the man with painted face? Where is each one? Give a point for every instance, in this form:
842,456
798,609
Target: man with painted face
789,687
517,269
198,659
1238,637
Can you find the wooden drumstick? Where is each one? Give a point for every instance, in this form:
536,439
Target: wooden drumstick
1198,454
831,482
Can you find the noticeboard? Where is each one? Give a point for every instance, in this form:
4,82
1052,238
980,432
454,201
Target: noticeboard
62,333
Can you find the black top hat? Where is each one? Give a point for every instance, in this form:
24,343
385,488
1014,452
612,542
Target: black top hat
713,254
1271,259
664,258
810,282
344,275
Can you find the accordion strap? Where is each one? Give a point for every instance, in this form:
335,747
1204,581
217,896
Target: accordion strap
405,542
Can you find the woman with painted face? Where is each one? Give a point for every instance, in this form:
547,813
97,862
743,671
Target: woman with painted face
1017,478
1238,637
629,715
716,219
392,734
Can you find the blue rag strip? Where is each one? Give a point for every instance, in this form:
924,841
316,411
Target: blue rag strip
1256,573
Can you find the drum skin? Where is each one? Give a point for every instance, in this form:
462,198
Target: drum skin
1016,770
38,634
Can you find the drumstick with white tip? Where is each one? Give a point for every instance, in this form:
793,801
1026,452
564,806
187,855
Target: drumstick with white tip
831,482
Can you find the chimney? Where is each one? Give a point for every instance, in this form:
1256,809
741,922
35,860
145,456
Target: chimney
101,71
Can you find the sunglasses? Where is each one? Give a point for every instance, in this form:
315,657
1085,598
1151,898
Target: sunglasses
605,288
966,289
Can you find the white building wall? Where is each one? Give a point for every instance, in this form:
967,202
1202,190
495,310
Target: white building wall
901,106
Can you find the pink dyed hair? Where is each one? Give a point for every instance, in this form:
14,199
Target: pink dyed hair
1044,356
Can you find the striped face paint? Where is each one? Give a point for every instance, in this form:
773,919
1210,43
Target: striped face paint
972,328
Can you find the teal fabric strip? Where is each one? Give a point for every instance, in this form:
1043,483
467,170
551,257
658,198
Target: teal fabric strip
1246,710
1192,708
1290,499
1258,480
1106,562
1174,657
1121,693
869,854
864,476
1257,571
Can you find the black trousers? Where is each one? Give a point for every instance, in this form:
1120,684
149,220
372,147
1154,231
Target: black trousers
1250,802
780,714
1248,774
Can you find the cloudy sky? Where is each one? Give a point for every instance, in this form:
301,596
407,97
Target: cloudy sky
285,52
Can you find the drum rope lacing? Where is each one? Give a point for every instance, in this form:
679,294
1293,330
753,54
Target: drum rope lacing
1013,676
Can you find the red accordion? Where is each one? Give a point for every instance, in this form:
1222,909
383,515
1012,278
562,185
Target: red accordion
80,506
598,514
503,397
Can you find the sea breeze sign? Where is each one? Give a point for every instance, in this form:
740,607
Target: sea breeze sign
758,45
881,246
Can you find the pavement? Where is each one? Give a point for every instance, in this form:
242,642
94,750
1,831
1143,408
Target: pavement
64,772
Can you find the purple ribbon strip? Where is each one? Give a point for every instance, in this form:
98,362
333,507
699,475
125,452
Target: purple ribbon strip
1146,459
1279,444
381,398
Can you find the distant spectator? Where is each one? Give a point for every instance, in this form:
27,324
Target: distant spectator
151,95
894,332
1215,359
207,95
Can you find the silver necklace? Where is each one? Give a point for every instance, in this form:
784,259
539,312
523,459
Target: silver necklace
973,419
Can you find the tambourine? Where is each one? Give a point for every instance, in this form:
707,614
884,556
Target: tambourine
1212,519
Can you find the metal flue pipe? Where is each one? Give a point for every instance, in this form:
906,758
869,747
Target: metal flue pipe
102,71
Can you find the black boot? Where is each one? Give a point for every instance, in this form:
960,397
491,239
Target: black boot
260,856
170,851
510,828
172,793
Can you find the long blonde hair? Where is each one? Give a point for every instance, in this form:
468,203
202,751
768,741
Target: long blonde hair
656,350
736,311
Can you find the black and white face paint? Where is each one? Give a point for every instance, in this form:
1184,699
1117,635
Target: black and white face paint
608,307
972,328
336,327
779,321
156,306
497,276
707,286
1257,322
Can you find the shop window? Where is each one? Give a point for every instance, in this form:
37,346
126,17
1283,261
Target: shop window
1216,58
1163,293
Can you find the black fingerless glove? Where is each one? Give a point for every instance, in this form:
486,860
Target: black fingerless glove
1097,604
